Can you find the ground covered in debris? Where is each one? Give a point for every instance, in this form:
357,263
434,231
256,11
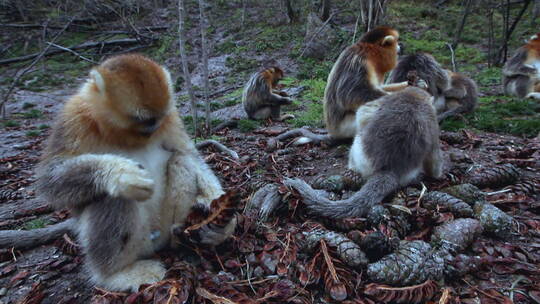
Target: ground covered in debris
431,242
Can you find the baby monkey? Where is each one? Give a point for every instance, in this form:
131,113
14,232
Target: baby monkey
454,93
521,73
260,98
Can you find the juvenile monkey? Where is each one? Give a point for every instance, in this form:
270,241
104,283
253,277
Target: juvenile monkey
357,78
427,68
260,99
453,92
397,139
461,97
521,73
120,159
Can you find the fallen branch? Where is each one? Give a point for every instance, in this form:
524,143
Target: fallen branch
233,123
24,239
218,146
87,45
72,52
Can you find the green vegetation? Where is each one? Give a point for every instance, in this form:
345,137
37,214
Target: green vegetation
34,113
500,115
247,125
33,133
489,77
28,105
35,224
10,124
43,127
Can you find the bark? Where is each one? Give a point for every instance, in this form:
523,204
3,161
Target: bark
204,47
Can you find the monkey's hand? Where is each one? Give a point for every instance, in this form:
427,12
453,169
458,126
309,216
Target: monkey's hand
422,84
528,69
130,180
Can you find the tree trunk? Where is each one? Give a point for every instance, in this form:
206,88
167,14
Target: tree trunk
325,10
291,13
183,55
204,47
466,12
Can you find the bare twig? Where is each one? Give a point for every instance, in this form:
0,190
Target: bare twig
219,146
72,52
35,237
204,46
185,68
466,12
453,57
18,76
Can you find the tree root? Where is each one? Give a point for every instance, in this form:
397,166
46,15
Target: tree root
233,123
265,201
219,146
25,239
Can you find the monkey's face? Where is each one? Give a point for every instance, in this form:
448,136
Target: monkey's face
277,75
138,93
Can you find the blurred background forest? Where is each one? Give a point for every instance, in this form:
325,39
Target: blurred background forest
50,45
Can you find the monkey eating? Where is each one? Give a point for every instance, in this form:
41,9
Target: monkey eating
521,73
357,78
260,98
397,140
454,93
121,160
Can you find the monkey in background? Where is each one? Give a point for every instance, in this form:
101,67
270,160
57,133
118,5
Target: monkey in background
461,97
120,159
397,140
521,73
453,92
260,98
357,78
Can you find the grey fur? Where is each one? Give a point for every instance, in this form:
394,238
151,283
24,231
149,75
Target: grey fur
426,67
347,88
517,80
259,101
464,92
401,137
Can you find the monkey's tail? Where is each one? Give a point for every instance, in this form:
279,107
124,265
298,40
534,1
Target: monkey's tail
373,192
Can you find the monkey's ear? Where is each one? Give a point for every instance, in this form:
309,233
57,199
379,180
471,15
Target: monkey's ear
388,40
98,80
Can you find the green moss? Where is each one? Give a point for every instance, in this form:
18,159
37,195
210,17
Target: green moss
489,76
247,125
501,115
43,127
11,124
33,133
35,224
34,113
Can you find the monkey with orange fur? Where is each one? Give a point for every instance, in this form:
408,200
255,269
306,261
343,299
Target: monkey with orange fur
357,78
120,159
260,97
521,73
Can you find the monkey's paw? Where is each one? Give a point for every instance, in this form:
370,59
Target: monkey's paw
141,272
534,95
130,180
422,84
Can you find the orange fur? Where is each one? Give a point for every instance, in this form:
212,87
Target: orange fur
272,76
94,121
383,58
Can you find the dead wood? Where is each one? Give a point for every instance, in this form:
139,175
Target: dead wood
26,208
218,146
32,238
86,45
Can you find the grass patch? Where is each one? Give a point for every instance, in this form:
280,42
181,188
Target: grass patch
501,115
34,113
33,133
247,125
35,224
489,76
312,116
11,124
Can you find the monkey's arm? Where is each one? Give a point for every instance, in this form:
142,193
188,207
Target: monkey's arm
277,100
393,87
455,92
77,181
516,65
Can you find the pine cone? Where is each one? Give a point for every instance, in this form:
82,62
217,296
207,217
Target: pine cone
493,220
346,249
452,138
466,192
376,245
496,176
333,183
439,200
414,262
352,180
461,264
9,195
527,187
458,234
395,222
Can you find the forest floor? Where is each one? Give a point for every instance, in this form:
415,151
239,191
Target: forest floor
268,262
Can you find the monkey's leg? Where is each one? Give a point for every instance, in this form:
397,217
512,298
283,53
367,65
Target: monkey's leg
262,113
276,114
115,234
519,86
433,164
394,87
